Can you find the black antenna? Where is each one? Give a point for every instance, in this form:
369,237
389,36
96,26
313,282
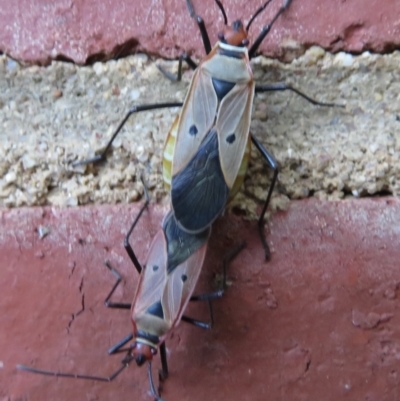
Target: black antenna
191,9
221,7
262,8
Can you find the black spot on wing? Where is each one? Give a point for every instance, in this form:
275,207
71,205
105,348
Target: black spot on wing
199,192
222,88
181,244
156,310
193,130
184,277
231,138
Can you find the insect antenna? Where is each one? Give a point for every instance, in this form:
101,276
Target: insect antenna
260,10
221,7
125,363
152,386
190,7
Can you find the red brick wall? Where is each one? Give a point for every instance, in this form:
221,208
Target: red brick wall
86,30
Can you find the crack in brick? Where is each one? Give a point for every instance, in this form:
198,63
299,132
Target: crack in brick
72,265
70,322
82,309
82,306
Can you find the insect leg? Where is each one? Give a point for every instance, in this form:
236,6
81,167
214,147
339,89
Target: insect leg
125,363
119,279
201,25
163,373
117,347
136,109
284,87
127,245
178,77
199,323
274,166
216,294
225,262
267,28
152,386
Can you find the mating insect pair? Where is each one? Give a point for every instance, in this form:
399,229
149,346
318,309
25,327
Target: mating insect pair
205,158
166,284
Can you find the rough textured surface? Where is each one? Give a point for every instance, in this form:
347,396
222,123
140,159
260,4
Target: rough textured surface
87,30
320,321
54,115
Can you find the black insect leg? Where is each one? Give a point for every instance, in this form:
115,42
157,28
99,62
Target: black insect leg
152,386
118,305
178,77
163,373
284,87
118,347
199,323
274,166
102,156
216,294
125,363
267,28
201,25
127,245
107,302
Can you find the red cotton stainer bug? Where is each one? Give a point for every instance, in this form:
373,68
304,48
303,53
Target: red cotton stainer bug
207,149
166,284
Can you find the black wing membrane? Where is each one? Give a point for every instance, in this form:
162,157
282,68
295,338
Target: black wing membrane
181,244
199,192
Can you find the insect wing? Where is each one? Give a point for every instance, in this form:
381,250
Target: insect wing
199,191
242,171
197,118
180,286
233,126
154,276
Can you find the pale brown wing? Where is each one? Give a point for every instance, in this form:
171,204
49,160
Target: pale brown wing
153,277
196,119
233,127
242,171
180,286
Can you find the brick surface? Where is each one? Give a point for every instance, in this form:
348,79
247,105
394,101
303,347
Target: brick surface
318,322
88,30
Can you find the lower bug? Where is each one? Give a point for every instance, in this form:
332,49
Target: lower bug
166,284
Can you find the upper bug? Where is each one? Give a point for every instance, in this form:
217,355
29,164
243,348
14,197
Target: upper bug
207,149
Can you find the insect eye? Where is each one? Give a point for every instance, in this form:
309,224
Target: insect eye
221,37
